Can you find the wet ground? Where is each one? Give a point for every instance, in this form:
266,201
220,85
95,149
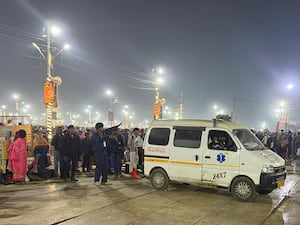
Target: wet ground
134,202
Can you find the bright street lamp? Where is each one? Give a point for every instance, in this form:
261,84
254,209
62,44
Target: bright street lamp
3,108
109,92
290,86
65,47
168,111
160,70
55,30
25,108
159,80
215,110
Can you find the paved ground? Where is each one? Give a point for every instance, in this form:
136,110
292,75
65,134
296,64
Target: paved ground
134,202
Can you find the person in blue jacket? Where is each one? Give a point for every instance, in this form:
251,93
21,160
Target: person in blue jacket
100,139
99,148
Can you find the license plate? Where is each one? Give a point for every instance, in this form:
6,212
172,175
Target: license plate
280,183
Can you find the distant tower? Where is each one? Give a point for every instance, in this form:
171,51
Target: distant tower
233,114
180,109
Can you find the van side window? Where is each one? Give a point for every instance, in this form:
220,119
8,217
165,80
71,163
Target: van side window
188,138
159,136
220,140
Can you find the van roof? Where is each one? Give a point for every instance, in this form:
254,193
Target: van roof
197,122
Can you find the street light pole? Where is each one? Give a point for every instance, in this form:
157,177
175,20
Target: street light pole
112,100
52,83
16,97
127,118
158,103
181,103
17,108
89,110
49,79
4,114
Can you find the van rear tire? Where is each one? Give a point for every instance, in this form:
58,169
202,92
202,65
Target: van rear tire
243,189
159,179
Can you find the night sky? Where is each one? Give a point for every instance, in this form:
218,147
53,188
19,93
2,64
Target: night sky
210,50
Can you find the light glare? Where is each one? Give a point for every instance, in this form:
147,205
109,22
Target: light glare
109,92
67,46
55,30
290,86
160,71
160,80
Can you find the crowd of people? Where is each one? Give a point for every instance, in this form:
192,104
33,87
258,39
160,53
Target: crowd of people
107,149
74,149
286,144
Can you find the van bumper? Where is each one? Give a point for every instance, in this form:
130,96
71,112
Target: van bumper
269,182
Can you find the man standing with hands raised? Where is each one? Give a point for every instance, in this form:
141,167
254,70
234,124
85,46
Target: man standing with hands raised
99,148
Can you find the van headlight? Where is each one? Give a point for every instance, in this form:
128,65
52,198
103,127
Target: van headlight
267,169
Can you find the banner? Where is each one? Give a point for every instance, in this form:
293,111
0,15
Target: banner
110,116
48,92
157,110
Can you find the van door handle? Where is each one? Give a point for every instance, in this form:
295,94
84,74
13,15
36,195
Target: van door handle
196,157
207,157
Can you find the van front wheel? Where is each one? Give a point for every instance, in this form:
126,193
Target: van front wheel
159,179
243,189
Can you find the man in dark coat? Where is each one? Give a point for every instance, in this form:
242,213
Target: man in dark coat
73,151
58,143
99,148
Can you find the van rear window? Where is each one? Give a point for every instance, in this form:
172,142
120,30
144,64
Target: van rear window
159,136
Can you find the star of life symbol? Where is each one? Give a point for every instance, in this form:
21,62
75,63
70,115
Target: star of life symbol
221,158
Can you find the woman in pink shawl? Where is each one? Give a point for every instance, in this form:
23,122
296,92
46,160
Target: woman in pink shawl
18,157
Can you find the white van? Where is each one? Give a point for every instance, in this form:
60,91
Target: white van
211,152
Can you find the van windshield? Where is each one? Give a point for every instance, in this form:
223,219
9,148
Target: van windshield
249,140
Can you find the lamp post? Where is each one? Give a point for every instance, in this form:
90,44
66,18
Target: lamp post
4,113
215,110
89,111
180,109
112,100
97,115
168,112
283,120
51,84
158,102
70,117
127,118
17,98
